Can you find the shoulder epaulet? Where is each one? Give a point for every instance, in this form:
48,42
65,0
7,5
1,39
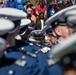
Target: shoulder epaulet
20,63
22,50
45,49
52,62
31,44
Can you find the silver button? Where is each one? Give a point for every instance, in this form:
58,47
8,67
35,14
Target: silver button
23,57
23,48
5,52
10,72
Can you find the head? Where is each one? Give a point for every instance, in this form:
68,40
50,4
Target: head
27,2
63,31
29,10
29,6
70,71
41,15
39,37
25,34
1,1
5,28
48,35
41,4
52,4
15,15
65,1
11,0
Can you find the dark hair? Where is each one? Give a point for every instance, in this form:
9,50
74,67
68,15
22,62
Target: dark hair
68,68
29,6
12,0
40,15
27,2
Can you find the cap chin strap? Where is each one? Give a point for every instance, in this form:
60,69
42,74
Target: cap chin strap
57,36
23,33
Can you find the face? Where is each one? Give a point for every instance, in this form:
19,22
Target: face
65,31
42,15
1,0
65,1
53,39
71,30
47,38
70,72
41,4
38,41
29,11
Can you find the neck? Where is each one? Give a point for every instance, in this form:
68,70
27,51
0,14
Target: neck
61,39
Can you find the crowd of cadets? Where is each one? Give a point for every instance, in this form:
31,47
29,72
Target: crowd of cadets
32,37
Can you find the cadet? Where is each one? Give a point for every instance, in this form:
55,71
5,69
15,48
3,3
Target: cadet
5,27
39,40
20,67
21,38
42,57
59,26
59,30
66,55
15,16
36,40
49,36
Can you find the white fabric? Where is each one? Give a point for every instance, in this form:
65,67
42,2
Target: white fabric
24,22
5,26
12,13
42,24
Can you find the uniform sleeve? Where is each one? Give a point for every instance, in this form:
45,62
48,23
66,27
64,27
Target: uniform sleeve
35,70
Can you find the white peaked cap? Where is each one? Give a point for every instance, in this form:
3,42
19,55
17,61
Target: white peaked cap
24,22
12,13
52,18
36,31
72,19
70,13
63,15
5,26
